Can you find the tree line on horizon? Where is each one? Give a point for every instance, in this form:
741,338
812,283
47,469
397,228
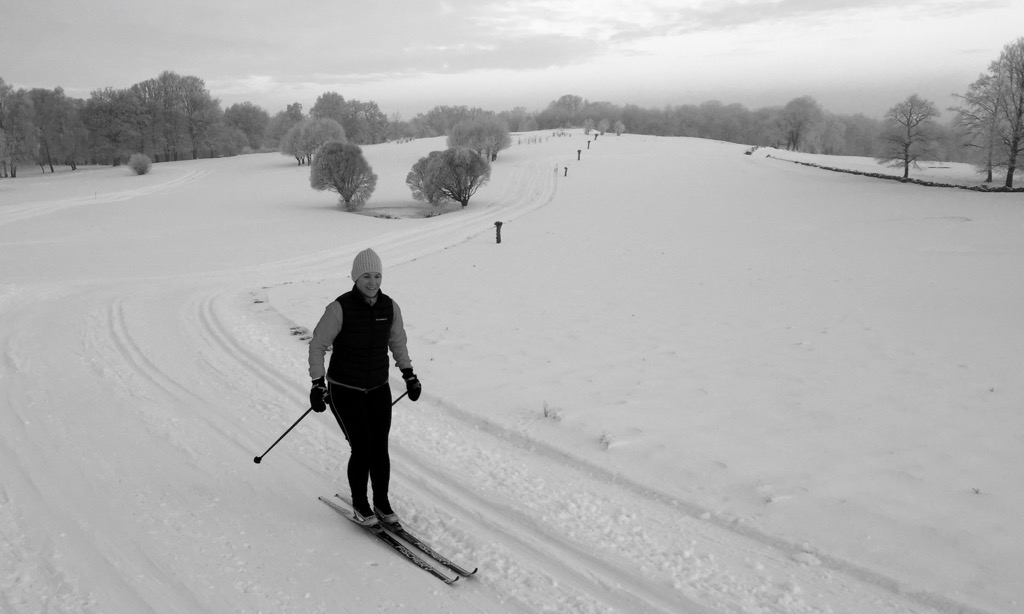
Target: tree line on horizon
173,116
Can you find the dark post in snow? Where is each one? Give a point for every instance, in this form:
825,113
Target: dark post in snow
588,144
578,152
566,172
497,227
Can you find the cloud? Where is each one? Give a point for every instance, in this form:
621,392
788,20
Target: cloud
263,49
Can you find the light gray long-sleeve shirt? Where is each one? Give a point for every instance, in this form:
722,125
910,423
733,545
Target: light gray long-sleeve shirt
330,325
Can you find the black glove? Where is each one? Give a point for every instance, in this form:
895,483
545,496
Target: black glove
318,395
412,384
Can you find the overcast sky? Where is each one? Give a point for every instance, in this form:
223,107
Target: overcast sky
411,55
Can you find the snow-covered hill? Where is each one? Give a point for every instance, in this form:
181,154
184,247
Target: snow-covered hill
687,380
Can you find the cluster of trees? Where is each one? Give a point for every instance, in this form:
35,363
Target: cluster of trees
800,124
989,121
991,113
454,174
39,126
167,117
364,122
475,137
172,115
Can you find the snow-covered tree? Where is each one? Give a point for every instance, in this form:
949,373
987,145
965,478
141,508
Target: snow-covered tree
251,119
110,115
1009,69
486,135
979,118
60,129
797,118
457,173
419,180
304,138
17,128
341,167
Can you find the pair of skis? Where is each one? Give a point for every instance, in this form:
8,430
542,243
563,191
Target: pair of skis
405,543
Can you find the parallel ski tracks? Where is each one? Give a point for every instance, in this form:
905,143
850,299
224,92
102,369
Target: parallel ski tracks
137,357
17,213
617,584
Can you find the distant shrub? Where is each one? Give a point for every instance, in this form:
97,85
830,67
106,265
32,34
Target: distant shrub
140,163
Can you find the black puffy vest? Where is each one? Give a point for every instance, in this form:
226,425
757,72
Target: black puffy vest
360,355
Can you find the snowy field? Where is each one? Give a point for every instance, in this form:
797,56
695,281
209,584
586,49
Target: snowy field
687,380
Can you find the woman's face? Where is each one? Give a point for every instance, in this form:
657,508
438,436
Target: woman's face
369,284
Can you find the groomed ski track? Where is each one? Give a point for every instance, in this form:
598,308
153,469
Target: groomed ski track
206,370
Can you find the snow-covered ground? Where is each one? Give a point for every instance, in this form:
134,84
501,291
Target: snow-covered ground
687,380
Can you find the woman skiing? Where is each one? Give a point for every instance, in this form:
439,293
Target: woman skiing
359,327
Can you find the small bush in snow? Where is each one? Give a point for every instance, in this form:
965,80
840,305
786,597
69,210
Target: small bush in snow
552,413
140,163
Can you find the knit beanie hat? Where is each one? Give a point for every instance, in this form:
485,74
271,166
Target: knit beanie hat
367,261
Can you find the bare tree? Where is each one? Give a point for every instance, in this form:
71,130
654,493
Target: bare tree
1010,70
979,118
907,133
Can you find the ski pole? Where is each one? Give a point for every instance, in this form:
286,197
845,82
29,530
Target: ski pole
260,457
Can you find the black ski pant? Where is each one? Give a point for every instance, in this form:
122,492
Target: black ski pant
365,418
